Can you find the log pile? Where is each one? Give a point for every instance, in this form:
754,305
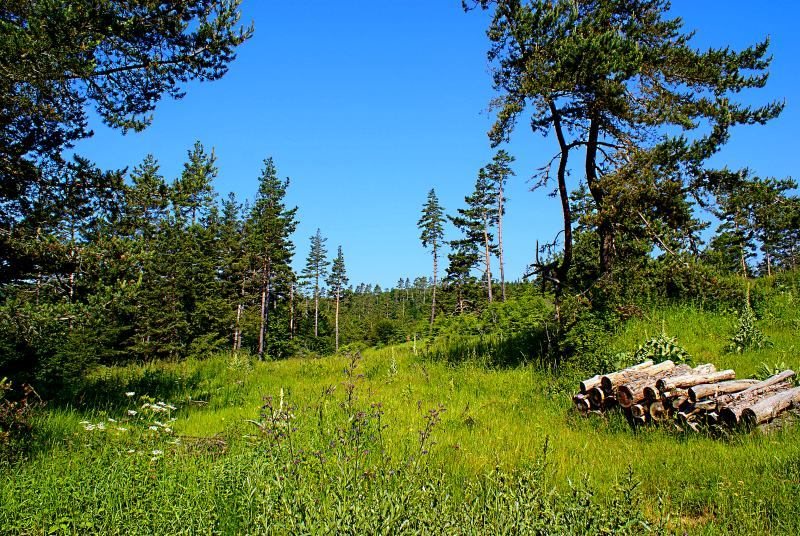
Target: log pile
689,398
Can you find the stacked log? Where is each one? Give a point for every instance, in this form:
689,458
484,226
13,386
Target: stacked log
690,398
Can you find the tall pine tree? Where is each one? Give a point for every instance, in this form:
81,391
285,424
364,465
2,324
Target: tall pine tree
432,226
270,247
337,282
315,271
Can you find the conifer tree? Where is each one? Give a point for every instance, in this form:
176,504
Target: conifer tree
431,225
498,173
621,83
193,193
315,270
337,282
477,220
269,230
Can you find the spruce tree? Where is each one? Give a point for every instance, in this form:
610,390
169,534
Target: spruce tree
432,226
337,282
269,243
315,271
193,193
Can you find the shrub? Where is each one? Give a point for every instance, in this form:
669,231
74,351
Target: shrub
16,421
747,335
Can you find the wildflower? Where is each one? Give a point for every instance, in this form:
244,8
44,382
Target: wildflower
131,451
111,420
101,426
167,429
132,412
153,428
121,429
158,452
129,394
159,423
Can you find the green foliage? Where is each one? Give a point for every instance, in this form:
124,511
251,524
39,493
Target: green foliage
17,416
662,348
503,333
747,335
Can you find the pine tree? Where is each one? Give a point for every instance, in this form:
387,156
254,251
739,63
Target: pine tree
315,270
611,79
337,281
270,247
431,225
498,173
477,220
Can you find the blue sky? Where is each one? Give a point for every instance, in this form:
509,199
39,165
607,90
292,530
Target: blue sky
366,105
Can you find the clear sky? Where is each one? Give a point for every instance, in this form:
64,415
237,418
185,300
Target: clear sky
368,104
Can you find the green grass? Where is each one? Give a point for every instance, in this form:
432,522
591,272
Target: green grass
80,481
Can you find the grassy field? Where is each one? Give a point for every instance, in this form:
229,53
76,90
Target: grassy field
396,441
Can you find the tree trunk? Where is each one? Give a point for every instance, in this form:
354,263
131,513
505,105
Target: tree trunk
732,413
316,305
566,210
633,391
435,269
615,379
591,383
770,407
236,327
713,390
689,380
487,257
262,312
291,310
337,321
500,240
754,390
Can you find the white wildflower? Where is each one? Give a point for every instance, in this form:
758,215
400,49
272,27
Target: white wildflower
158,452
129,394
132,412
153,428
111,420
131,451
121,429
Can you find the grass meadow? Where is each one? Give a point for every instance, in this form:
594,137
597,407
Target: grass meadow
394,442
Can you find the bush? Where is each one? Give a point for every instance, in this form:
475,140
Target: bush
16,421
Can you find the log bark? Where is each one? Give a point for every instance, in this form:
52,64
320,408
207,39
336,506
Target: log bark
689,380
732,413
753,389
770,407
615,379
713,390
633,392
591,383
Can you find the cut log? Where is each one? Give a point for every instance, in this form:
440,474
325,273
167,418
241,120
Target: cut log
633,392
692,379
658,411
653,392
705,405
751,391
770,407
732,413
591,383
609,402
639,410
596,397
581,404
674,402
713,390
610,381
